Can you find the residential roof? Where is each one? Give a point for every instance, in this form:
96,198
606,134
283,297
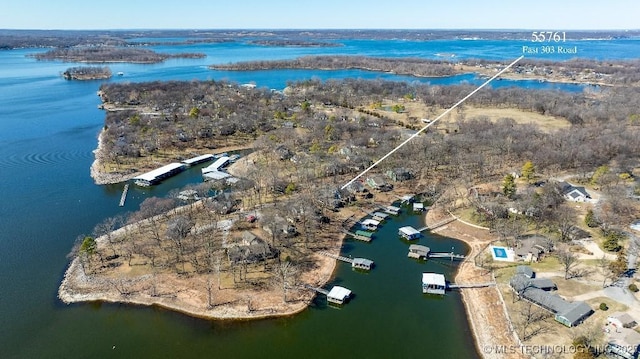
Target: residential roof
575,311
381,215
433,278
520,282
526,270
625,337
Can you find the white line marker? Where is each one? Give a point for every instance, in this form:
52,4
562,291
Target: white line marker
431,123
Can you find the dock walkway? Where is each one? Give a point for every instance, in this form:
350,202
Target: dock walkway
317,289
446,255
471,285
438,224
337,257
123,198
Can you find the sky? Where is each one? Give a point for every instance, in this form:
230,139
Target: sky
542,15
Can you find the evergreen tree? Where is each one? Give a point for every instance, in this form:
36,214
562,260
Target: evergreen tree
509,186
528,171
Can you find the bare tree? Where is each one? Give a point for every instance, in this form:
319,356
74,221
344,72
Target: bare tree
568,260
531,320
285,277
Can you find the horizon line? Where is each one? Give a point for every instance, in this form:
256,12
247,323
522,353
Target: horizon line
311,29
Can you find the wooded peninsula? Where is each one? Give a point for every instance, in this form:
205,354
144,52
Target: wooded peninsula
252,248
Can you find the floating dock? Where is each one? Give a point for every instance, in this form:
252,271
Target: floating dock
123,198
409,233
360,235
356,263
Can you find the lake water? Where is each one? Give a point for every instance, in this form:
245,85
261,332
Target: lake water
48,130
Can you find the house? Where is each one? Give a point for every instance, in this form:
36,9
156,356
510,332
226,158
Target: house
531,248
574,193
338,295
521,282
251,250
433,283
621,320
281,226
418,251
409,233
538,292
378,183
399,174
573,313
355,187
525,271
623,343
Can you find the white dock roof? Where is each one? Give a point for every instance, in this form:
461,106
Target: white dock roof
433,278
371,221
216,165
409,231
198,159
158,172
340,293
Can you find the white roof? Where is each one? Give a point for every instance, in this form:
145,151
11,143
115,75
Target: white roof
418,205
370,221
152,175
381,215
340,293
198,159
393,208
216,165
408,230
215,175
433,278
363,261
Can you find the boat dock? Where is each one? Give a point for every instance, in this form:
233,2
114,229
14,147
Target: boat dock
153,177
123,198
357,263
438,224
360,235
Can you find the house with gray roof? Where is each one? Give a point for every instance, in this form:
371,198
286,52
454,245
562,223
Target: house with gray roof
574,193
538,292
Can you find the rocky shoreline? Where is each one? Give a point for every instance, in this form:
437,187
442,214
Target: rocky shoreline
99,176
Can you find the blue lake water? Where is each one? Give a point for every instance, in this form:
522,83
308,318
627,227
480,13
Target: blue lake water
48,130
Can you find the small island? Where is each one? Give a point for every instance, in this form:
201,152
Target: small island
87,73
105,54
